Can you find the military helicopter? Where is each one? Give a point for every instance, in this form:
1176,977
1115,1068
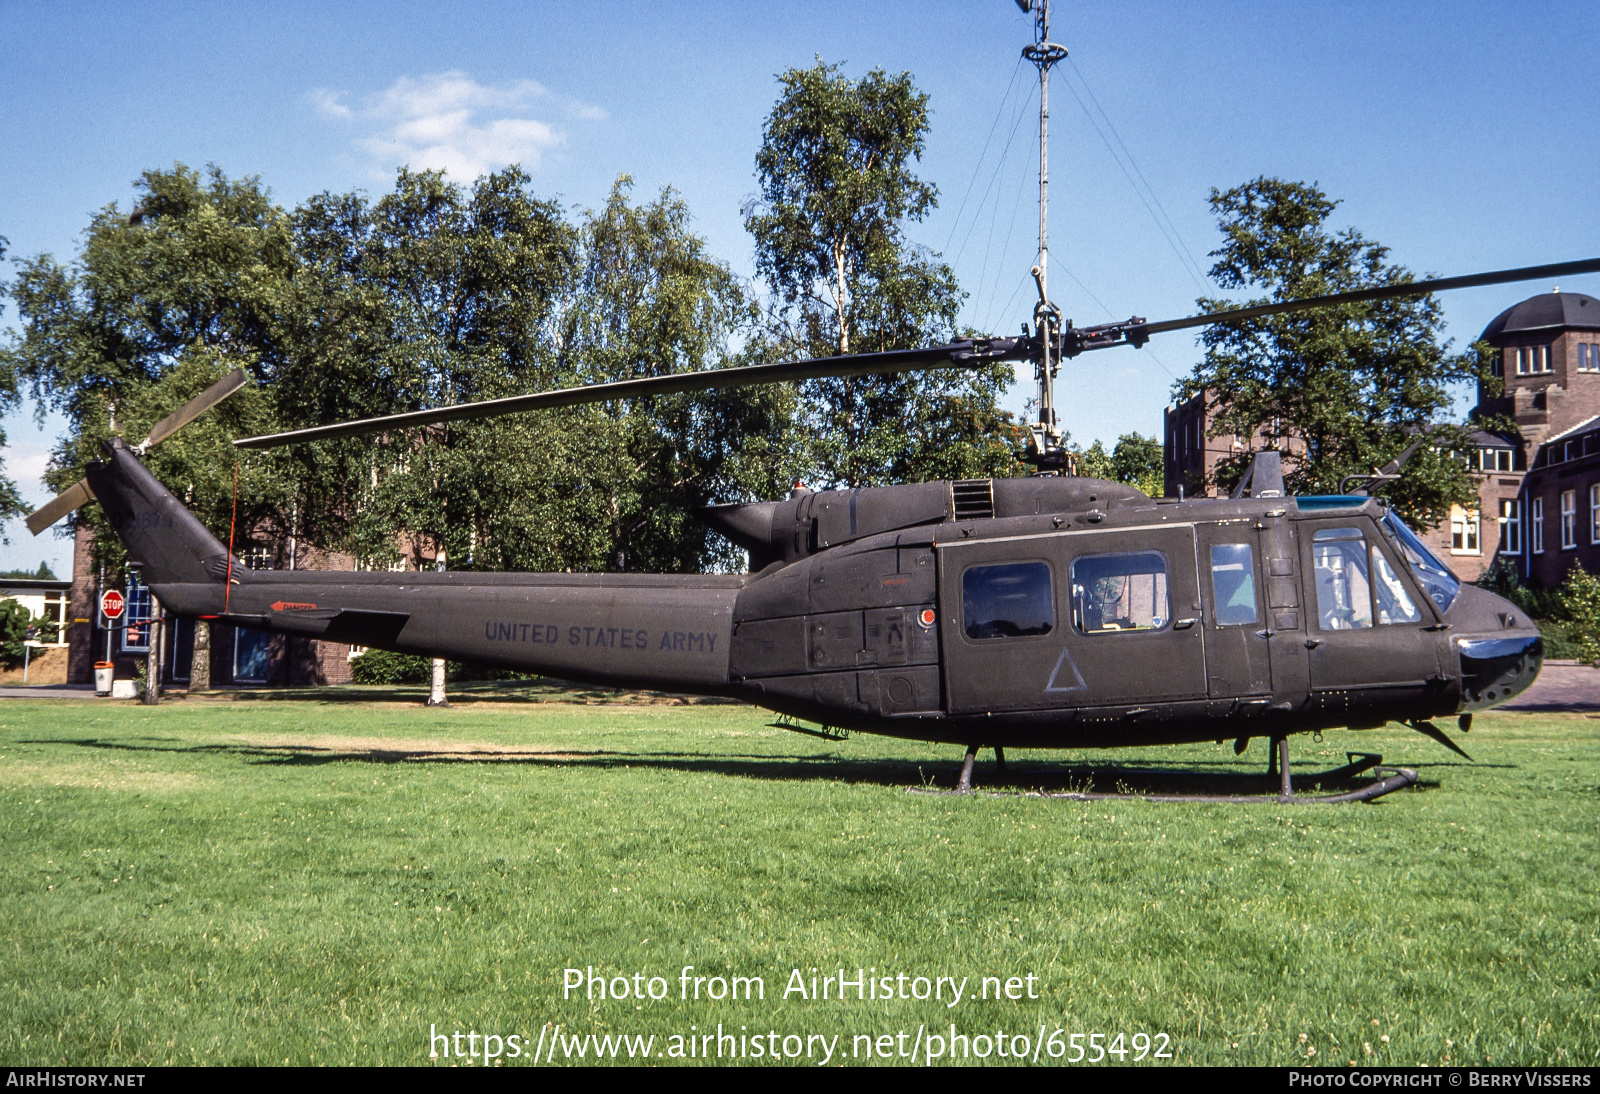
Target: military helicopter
1049,611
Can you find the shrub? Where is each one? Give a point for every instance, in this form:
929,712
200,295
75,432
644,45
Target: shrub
14,620
385,667
1580,604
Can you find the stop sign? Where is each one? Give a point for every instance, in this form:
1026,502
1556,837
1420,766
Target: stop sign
112,604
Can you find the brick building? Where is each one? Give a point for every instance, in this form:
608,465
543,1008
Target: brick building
239,656
1538,488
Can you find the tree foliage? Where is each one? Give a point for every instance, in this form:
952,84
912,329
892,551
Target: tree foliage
650,301
837,190
1135,459
355,306
162,302
432,294
10,499
1579,598
14,623
1340,390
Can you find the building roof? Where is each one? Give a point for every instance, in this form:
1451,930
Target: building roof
19,584
1549,311
1582,427
1485,439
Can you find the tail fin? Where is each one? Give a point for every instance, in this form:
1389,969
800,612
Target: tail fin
165,540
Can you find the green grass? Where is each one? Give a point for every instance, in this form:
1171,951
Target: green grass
319,880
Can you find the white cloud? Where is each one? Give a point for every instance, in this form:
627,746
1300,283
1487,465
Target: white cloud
448,121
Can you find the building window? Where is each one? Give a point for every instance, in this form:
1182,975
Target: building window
1495,459
136,617
257,557
1464,528
1533,359
1594,513
1511,526
1588,357
1538,526
252,656
1569,519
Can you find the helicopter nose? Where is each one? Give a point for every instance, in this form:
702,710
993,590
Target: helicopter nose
1500,650
1494,670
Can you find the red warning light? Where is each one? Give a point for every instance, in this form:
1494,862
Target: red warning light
926,618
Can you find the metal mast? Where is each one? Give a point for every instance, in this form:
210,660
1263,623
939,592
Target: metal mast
1047,317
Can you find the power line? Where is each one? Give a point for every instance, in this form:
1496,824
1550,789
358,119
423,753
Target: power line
978,163
1181,251
1153,195
1003,153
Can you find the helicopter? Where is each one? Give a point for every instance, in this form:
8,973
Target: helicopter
1048,611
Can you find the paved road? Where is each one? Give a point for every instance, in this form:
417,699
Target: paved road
49,691
1562,686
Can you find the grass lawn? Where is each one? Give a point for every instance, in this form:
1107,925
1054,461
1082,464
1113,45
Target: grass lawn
323,880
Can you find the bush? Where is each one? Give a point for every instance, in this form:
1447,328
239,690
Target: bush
1544,606
14,620
1580,604
385,667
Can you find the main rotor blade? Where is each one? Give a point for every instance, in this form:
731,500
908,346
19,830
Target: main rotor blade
195,407
72,497
1385,292
955,355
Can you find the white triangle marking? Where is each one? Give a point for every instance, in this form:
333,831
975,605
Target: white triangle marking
1066,659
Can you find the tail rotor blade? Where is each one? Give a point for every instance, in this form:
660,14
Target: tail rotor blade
63,503
195,407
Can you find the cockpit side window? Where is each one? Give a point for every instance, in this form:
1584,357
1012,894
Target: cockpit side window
1356,585
1119,593
1339,568
1010,601
1436,579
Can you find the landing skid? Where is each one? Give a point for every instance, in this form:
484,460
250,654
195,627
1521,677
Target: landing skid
1385,780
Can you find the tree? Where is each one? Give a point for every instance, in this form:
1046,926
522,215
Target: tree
1342,390
436,293
433,294
160,303
10,499
14,623
837,188
650,300
1579,600
1136,460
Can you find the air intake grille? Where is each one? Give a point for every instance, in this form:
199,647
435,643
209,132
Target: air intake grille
974,499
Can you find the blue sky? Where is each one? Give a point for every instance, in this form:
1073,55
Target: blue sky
1465,136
